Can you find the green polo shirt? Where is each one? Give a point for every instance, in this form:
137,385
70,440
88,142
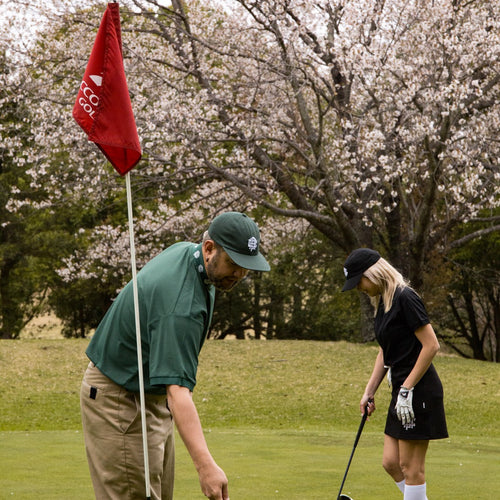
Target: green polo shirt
175,310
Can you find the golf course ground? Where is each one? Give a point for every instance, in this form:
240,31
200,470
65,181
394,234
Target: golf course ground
280,418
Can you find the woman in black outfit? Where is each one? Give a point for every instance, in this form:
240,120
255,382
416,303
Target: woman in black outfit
408,345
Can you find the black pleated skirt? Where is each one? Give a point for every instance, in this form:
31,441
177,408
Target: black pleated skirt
428,405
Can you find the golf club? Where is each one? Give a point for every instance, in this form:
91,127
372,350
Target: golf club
340,496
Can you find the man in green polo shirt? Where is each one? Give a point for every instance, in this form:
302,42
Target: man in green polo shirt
176,298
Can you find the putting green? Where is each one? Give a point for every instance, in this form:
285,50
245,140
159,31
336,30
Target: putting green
260,464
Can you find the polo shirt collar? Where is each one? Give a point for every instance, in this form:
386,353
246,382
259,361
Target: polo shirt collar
200,265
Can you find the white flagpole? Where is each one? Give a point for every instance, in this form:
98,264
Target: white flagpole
138,337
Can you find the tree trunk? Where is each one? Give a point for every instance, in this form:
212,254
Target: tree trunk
495,305
367,331
257,324
10,312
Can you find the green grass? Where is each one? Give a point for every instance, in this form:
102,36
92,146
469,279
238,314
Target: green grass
280,418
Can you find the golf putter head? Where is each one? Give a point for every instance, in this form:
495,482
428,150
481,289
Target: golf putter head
344,497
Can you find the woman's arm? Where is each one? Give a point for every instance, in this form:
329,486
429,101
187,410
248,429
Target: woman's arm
430,347
378,373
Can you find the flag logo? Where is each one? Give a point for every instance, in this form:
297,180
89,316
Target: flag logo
96,79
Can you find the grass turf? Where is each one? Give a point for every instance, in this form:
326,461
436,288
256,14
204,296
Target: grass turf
280,418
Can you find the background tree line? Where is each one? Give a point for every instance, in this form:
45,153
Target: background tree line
335,124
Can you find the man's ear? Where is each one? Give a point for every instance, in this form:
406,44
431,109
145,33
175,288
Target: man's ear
209,248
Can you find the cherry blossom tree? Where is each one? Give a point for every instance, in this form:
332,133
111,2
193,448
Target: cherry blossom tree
31,240
12,229
376,122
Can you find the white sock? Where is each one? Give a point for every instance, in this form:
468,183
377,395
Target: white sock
415,492
401,485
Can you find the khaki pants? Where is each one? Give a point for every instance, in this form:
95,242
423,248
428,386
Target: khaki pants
111,418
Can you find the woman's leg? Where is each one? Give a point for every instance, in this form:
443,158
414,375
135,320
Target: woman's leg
412,460
390,462
390,458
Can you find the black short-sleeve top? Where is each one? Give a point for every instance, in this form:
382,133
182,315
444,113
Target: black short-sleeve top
395,330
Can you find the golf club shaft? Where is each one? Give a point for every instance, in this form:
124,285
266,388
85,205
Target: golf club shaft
358,435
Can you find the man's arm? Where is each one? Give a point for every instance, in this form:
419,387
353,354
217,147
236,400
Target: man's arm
213,480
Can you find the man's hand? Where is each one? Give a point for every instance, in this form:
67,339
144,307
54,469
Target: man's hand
404,406
213,482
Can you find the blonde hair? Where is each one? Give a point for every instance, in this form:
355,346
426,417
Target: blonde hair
387,279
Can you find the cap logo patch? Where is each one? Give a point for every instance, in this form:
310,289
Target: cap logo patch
345,272
252,244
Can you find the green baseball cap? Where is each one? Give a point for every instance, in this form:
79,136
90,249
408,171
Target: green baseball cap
239,236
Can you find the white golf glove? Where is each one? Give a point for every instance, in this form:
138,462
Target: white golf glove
404,406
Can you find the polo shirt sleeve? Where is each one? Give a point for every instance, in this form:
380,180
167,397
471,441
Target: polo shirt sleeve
175,342
413,309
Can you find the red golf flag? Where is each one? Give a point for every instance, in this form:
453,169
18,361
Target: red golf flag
103,108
